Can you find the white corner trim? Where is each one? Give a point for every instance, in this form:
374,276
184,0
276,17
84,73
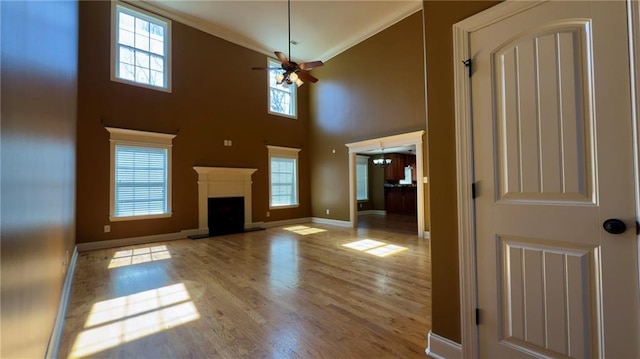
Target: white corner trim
58,324
121,242
442,348
333,222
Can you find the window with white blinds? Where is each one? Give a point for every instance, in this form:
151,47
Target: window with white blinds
283,182
140,174
141,181
283,177
362,178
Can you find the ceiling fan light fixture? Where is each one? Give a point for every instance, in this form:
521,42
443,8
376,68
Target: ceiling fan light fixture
382,161
289,67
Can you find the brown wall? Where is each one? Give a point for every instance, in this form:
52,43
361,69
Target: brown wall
372,90
216,97
37,146
439,16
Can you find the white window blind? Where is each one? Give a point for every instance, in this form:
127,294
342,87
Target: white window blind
283,182
140,181
283,177
140,174
362,178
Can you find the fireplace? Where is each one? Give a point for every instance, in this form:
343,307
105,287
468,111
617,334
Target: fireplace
225,215
224,183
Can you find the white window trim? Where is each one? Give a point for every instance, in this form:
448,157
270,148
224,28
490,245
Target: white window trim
363,160
284,152
294,93
115,52
121,136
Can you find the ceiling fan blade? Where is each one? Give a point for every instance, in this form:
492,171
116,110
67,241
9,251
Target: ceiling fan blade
306,77
266,68
282,58
310,65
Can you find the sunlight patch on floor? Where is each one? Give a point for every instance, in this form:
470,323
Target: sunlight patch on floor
377,248
139,255
364,244
304,230
120,320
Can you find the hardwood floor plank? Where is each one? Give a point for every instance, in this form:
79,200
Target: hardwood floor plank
286,292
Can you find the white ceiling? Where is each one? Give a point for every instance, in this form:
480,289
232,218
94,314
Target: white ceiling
322,29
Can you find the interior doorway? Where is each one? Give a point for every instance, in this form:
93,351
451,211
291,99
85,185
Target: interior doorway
375,147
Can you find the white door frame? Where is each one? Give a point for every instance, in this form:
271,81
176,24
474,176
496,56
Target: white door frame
633,9
464,150
405,139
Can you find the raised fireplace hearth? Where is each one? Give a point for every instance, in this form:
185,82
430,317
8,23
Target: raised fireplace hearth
223,182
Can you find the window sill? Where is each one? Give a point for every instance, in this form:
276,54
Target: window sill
138,84
280,114
136,218
285,207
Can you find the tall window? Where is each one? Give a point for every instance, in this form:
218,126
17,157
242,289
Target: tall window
283,177
362,178
282,98
140,174
140,48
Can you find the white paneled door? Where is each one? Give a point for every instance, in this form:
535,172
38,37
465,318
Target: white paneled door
553,160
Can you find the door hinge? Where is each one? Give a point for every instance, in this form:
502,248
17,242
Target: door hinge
467,64
473,190
477,316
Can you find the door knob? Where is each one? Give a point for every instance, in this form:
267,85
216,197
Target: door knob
614,226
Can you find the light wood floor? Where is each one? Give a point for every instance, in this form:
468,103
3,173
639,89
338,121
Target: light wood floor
278,293
397,223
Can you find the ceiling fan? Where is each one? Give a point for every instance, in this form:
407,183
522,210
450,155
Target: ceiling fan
293,72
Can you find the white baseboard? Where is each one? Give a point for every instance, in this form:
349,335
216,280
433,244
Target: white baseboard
284,222
333,222
121,242
58,324
378,212
443,348
427,235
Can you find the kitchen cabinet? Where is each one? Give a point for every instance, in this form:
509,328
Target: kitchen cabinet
395,170
400,200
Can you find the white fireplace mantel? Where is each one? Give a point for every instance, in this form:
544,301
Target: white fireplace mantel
216,182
